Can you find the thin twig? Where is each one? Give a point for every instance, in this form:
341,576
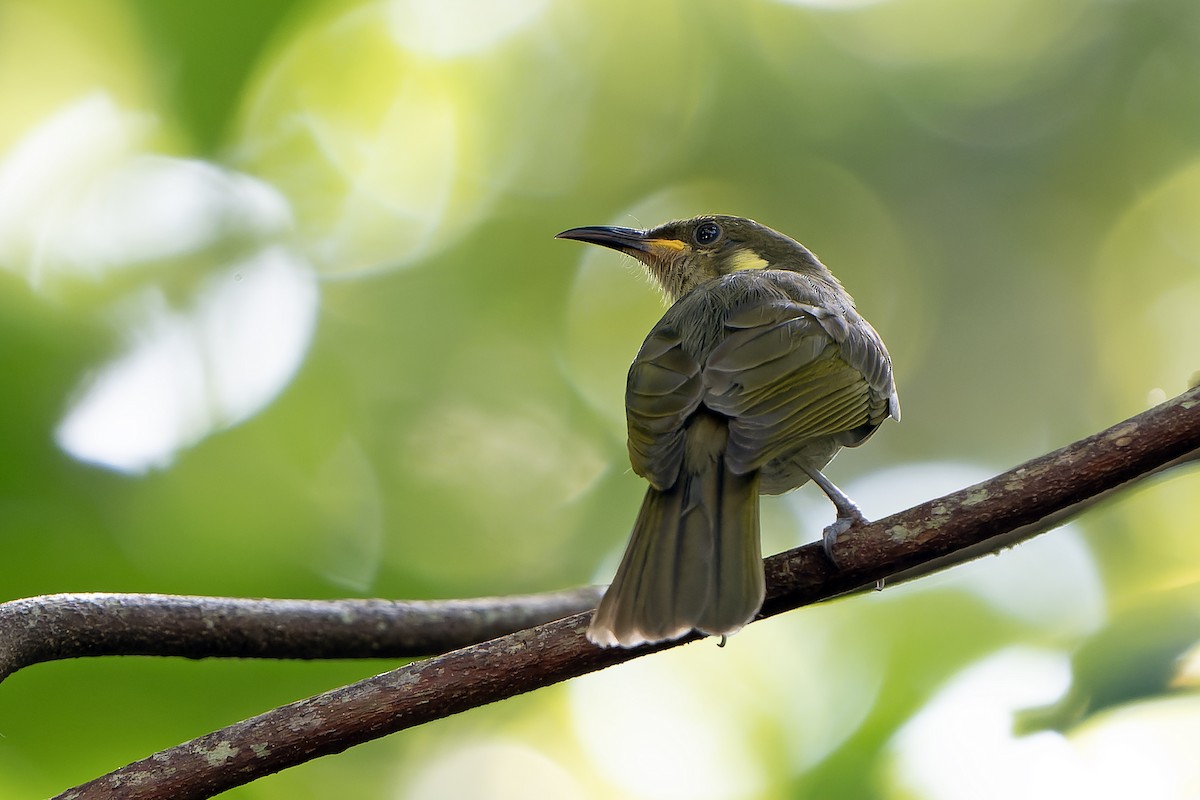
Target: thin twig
1027,496
60,626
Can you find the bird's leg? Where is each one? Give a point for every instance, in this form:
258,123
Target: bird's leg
848,515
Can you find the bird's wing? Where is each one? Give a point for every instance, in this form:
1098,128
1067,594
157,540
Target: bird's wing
663,390
787,372
863,349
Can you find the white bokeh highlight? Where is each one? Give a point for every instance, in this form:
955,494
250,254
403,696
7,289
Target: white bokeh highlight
657,730
962,744
80,198
456,28
187,372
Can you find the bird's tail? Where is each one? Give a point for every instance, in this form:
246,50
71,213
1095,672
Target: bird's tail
693,562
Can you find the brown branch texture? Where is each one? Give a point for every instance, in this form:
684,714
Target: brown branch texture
982,518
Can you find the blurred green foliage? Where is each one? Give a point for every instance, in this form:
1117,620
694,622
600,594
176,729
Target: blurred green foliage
309,246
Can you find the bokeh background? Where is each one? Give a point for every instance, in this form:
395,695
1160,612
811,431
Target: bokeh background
281,315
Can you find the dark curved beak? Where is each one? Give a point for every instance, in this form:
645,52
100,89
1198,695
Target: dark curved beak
627,240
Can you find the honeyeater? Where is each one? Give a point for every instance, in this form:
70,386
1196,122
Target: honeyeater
760,371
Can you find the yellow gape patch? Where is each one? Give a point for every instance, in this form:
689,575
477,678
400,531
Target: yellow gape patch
746,259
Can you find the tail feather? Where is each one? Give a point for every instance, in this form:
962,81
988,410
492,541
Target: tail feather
693,562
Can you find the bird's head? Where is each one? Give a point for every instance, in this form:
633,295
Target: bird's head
683,254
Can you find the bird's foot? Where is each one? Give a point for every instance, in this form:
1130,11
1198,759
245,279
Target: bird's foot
847,518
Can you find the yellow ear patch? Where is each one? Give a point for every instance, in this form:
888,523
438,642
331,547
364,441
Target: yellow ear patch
746,259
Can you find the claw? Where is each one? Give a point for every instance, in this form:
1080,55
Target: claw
848,518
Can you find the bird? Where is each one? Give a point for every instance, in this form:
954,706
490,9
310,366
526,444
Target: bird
760,371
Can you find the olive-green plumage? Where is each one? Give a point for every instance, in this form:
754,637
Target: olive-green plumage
756,376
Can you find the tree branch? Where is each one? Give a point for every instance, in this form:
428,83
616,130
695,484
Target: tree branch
1029,498
60,626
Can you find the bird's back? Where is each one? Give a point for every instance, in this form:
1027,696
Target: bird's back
784,358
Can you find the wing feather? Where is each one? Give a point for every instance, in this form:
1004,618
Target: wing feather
784,368
783,376
664,389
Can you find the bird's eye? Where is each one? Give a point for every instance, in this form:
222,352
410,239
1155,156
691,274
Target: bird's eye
707,232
